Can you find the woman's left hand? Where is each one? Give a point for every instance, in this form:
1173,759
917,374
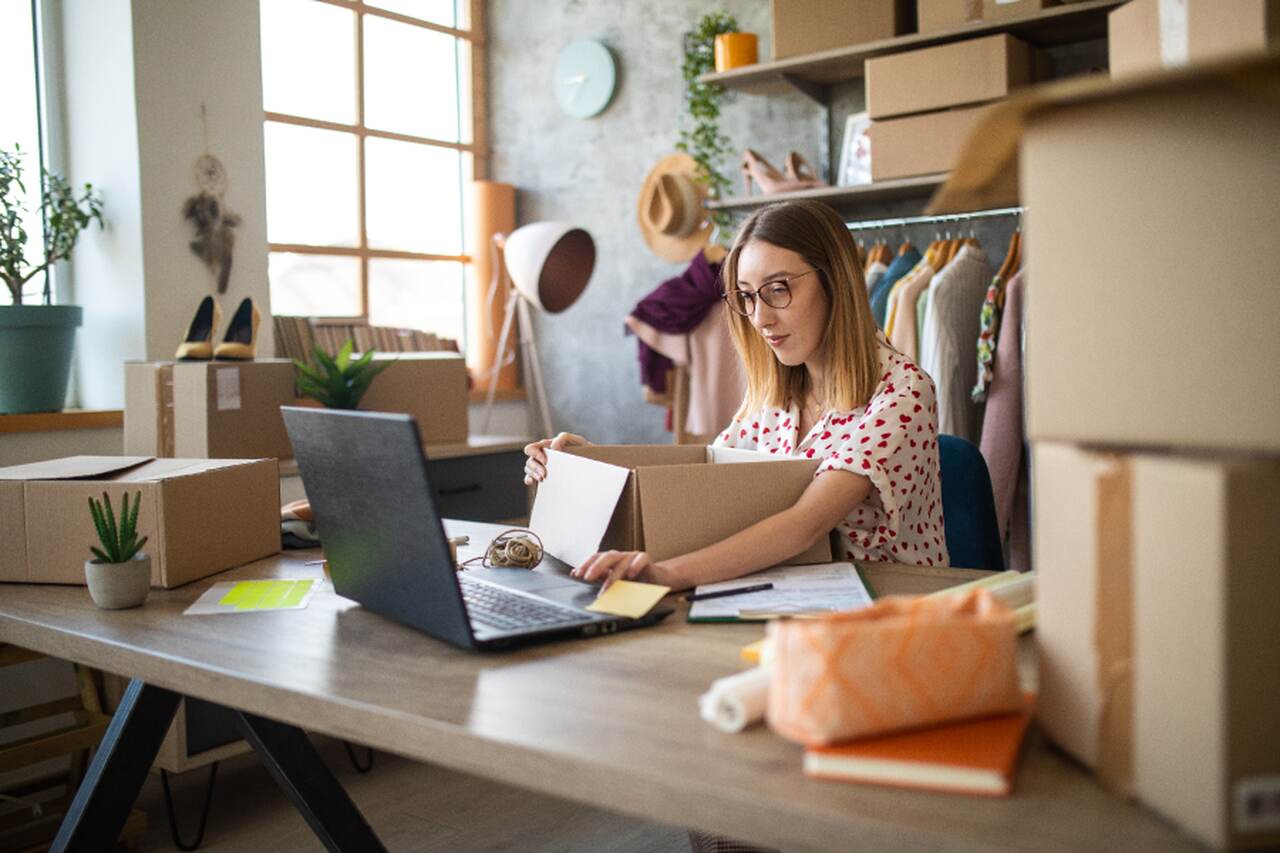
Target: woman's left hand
610,566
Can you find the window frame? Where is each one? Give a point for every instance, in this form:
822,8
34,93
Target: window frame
478,147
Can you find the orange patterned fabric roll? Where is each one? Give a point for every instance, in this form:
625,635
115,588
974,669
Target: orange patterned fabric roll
903,662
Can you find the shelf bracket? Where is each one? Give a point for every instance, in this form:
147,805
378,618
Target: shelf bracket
819,93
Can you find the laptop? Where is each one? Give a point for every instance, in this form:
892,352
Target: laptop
365,474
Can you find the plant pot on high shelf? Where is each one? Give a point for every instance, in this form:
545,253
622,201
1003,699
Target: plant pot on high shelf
36,342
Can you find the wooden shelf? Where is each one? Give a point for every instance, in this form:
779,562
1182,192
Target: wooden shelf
814,72
67,419
842,198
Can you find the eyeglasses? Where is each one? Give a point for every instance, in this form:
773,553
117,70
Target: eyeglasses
775,294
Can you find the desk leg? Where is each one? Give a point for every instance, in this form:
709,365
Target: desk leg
316,794
110,787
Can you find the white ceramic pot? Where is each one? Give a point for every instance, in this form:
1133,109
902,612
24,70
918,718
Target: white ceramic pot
115,586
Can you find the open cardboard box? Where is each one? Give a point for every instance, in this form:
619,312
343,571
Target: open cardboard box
200,516
664,499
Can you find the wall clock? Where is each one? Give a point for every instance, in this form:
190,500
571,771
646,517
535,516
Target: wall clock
585,78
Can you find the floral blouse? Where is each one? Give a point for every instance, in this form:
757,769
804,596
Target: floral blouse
892,441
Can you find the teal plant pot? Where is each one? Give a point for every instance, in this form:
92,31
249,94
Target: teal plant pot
36,342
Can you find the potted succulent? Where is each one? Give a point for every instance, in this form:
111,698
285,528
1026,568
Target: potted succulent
119,576
338,382
36,341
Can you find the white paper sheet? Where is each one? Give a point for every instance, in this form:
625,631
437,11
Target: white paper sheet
816,587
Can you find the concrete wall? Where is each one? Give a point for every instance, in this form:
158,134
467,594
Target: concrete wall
589,172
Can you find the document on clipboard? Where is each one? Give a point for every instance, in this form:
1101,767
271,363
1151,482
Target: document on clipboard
797,591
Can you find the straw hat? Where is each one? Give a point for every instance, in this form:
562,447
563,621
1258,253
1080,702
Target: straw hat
670,212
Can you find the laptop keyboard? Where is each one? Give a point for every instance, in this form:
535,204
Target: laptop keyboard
499,608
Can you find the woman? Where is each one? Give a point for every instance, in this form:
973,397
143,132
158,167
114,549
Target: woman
824,384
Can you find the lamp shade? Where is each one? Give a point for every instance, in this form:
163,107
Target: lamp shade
550,263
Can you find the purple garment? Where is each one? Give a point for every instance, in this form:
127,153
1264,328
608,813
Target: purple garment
676,306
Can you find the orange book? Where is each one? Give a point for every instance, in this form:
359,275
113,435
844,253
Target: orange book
970,757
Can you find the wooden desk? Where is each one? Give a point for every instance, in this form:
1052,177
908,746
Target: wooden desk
610,721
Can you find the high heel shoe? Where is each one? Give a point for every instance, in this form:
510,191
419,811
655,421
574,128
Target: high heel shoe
241,338
769,179
800,173
198,344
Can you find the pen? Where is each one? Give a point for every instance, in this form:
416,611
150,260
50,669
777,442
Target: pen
702,596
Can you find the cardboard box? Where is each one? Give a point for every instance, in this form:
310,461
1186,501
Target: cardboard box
1207,646
1130,343
956,74
1083,559
1148,35
809,26
920,144
997,10
431,386
148,408
664,499
231,409
935,15
200,515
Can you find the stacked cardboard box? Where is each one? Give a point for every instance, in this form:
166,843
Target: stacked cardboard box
1155,430
802,27
1148,35
924,103
940,15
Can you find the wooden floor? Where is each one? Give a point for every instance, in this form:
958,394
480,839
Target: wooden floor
411,806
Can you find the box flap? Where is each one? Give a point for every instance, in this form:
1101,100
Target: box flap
986,173
74,468
572,509
687,507
736,454
636,455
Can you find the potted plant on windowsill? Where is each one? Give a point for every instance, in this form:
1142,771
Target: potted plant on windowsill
36,341
119,576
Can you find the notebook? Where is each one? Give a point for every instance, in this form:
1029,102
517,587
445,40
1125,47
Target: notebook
971,757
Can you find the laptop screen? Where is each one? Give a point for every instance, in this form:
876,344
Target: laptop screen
365,474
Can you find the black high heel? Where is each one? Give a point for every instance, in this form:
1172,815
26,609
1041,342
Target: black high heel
241,339
198,344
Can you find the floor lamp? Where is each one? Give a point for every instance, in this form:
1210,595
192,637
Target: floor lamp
549,265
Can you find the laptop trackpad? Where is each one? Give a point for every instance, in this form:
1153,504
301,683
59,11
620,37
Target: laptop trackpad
555,587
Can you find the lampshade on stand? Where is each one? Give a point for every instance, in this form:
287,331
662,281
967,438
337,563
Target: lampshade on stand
549,264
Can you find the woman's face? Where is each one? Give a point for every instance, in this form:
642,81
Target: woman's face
794,333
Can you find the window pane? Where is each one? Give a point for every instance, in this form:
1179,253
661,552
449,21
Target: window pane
413,193
423,295
18,124
314,285
441,12
410,80
312,192
309,60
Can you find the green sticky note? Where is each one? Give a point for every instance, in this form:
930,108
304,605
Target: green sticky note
266,595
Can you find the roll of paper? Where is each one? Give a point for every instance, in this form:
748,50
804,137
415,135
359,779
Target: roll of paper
736,701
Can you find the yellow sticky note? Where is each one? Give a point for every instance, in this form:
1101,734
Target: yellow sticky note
629,598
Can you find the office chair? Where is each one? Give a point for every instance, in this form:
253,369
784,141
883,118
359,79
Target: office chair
968,506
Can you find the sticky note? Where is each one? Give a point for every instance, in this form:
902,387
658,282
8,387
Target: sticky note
629,598
266,595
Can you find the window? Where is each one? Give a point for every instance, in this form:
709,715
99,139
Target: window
370,144
20,124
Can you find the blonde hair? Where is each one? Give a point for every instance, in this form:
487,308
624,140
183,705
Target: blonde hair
816,233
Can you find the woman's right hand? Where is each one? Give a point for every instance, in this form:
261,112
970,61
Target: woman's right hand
535,466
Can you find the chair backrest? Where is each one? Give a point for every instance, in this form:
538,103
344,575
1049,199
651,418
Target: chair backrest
968,506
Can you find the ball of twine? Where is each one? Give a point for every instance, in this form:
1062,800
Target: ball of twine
511,549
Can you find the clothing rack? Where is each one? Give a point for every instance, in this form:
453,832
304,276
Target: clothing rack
876,224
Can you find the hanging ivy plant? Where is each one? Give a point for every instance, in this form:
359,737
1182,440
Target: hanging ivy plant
703,141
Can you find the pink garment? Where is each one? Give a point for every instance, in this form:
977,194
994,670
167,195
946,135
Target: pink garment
1003,434
892,441
716,381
